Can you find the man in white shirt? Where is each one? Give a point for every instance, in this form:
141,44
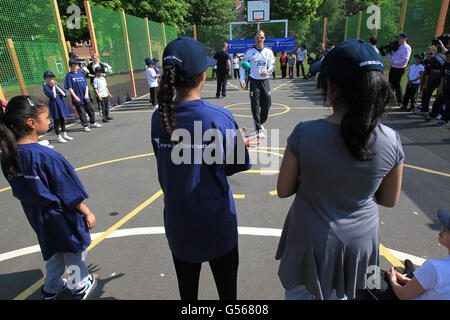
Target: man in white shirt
301,54
262,64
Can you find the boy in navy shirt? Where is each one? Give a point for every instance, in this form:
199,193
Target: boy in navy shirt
77,85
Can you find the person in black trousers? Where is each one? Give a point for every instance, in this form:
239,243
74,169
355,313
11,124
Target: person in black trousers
433,69
223,70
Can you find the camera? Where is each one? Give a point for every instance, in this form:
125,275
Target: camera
444,38
389,48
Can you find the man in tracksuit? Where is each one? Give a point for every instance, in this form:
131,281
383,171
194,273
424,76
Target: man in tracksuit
262,64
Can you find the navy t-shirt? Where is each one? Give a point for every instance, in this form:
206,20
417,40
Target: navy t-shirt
199,212
77,82
222,57
49,190
57,105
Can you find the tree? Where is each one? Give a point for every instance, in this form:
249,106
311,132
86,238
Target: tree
330,8
294,9
211,12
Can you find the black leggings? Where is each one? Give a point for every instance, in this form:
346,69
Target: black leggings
224,270
59,123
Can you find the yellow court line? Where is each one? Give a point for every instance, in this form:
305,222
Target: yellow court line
115,160
134,111
240,89
427,170
390,257
239,196
28,292
281,85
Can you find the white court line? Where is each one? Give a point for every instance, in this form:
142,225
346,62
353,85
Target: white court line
248,231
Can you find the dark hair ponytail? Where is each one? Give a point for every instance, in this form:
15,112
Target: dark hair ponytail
172,80
13,127
166,95
366,102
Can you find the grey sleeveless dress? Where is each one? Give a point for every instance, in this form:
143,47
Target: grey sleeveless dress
331,233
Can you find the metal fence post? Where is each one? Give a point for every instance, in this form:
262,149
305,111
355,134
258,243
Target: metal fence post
148,38
62,39
127,43
442,17
12,53
91,26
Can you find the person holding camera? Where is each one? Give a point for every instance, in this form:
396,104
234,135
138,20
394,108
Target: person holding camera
399,61
433,69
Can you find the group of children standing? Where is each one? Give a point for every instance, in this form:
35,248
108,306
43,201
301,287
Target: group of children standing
426,75
75,82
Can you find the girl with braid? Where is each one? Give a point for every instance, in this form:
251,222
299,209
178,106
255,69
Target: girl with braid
199,211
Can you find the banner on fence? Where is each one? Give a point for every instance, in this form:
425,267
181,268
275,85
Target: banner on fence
276,44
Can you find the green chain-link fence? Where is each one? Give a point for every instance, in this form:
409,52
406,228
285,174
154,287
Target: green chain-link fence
34,47
111,38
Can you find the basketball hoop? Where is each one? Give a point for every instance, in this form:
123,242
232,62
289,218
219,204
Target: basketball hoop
258,20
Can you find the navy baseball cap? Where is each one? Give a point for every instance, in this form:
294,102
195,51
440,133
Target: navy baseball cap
48,74
444,218
98,69
148,61
349,60
189,55
403,35
73,61
72,54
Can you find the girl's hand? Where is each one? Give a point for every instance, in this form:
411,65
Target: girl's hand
91,220
77,99
391,275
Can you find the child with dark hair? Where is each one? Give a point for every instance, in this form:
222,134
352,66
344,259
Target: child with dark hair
207,139
51,194
152,80
76,83
57,105
331,234
412,87
103,95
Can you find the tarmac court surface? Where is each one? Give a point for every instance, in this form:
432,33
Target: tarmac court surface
129,253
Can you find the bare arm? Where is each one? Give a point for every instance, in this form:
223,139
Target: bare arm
410,290
90,218
389,190
288,175
74,95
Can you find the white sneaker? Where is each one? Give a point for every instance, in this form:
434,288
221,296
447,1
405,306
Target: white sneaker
65,136
262,128
96,125
438,117
86,129
261,135
61,139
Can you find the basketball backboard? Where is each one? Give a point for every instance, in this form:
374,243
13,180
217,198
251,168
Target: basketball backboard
258,10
